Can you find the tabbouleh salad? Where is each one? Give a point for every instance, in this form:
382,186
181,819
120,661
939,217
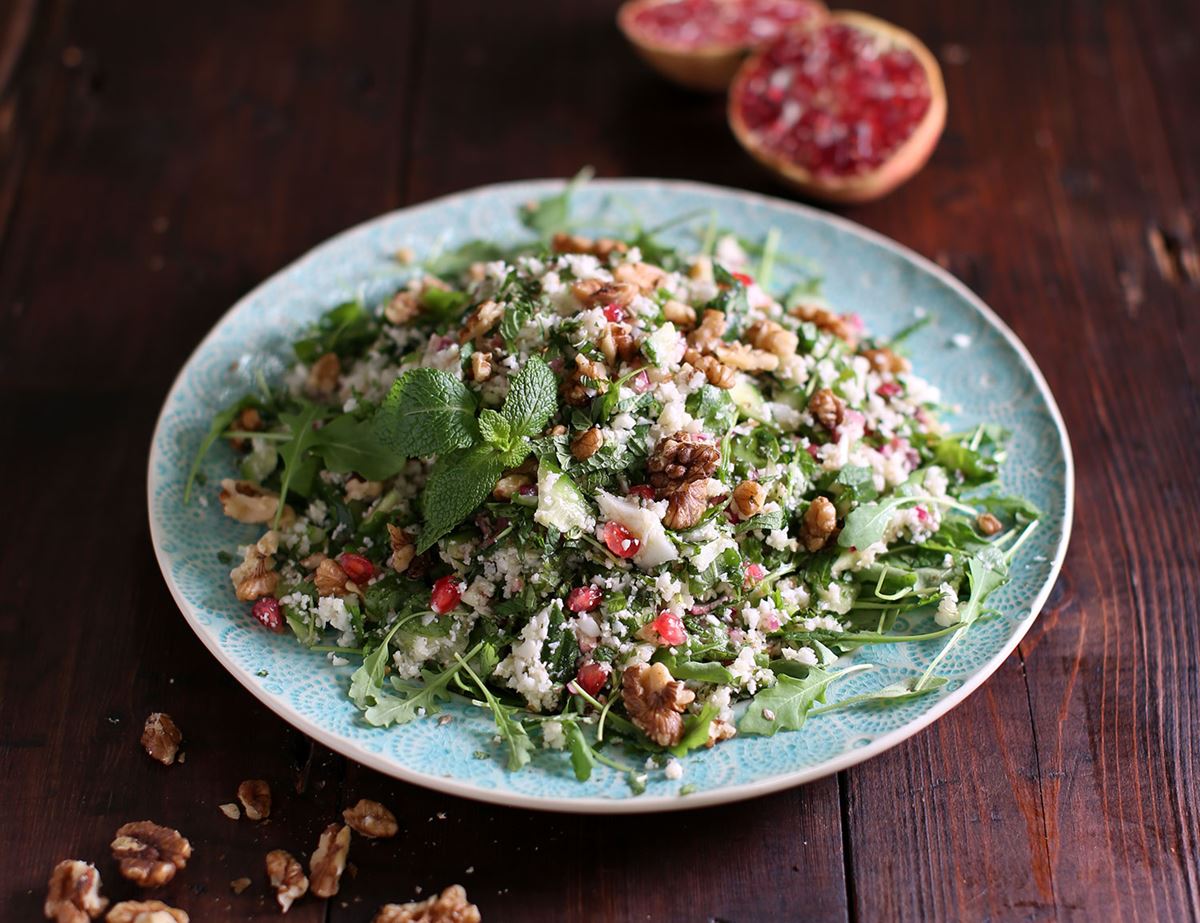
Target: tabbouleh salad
609,490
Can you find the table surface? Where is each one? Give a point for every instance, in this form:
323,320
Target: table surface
158,160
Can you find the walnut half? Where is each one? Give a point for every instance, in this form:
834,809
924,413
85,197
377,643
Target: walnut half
451,906
148,854
161,737
820,522
286,877
255,796
655,702
371,819
145,912
73,895
329,860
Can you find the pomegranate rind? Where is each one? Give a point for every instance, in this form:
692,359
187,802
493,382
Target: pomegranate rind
899,167
708,68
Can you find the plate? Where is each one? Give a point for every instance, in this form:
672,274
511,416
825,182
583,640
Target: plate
966,350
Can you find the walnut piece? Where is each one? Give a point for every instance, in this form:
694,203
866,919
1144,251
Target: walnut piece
145,912
403,549
596,293
680,458
481,320
255,796
770,336
828,409
371,819
255,576
748,499
587,443
451,906
402,306
746,358
286,877
73,894
161,737
617,342
686,504
602,247
647,278
576,391
884,360
683,316
988,524
246,502
826,320
820,522
510,485
248,420
712,327
238,885
230,810
148,854
655,702
481,366
358,489
719,730
322,381
329,860
331,580
718,373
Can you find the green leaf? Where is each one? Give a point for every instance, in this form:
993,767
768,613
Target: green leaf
345,329
764,521
427,412
495,429
856,484
715,407
893,694
401,709
553,213
582,757
532,398
702,672
458,483
786,705
511,729
443,304
695,730
347,444
293,452
866,524
455,262
220,423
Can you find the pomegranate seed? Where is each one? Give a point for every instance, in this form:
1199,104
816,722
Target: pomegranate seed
620,541
584,598
357,568
888,389
813,450
922,514
447,591
669,628
592,677
743,278
527,490
754,573
267,611
640,383
642,492
614,312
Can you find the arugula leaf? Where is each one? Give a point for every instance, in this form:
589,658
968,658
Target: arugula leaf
458,483
904,690
427,412
787,703
553,213
532,398
971,465
582,758
1017,507
856,484
866,524
344,329
451,263
391,709
347,444
520,747
695,732
293,452
220,423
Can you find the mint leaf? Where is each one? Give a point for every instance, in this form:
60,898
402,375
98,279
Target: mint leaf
427,412
786,705
347,444
532,398
293,452
458,483
495,429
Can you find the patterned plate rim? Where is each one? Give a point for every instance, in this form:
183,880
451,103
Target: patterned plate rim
646,803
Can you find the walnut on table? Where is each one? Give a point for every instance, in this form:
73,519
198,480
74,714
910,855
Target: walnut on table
287,878
145,912
255,796
371,819
451,906
73,893
329,860
161,737
148,854
655,702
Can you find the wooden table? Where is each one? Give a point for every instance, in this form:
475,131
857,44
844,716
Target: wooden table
158,160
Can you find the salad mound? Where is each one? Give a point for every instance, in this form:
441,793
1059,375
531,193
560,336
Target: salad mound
621,495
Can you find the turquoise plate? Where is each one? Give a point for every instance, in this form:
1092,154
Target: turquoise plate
966,350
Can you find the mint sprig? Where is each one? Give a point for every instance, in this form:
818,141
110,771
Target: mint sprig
427,412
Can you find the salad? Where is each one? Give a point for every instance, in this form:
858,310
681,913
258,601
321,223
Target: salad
625,496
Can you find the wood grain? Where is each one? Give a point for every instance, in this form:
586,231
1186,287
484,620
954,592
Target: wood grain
156,163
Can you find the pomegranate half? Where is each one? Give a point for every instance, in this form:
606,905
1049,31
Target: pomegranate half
845,111
700,43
